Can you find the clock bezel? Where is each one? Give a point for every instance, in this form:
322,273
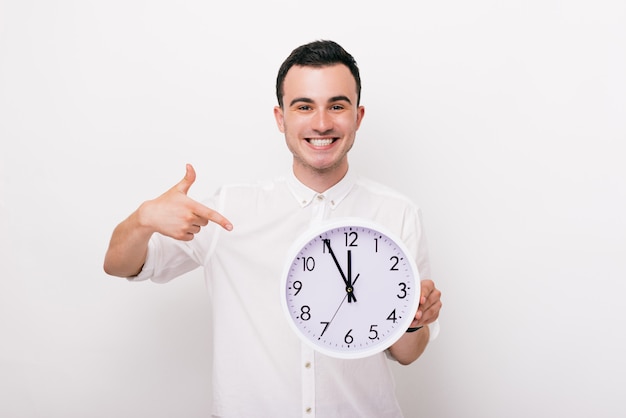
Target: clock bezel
321,228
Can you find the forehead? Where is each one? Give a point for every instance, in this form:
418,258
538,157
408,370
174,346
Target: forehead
319,83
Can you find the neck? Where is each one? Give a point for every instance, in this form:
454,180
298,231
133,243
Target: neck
320,181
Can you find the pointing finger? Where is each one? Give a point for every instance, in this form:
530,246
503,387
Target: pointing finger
211,215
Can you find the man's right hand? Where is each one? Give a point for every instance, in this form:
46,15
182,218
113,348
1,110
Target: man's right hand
176,215
173,214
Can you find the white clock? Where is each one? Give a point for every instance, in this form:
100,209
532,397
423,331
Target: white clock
350,288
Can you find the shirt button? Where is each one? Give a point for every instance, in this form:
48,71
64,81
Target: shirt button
307,364
320,197
308,410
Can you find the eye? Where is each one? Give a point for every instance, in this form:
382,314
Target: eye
304,108
337,107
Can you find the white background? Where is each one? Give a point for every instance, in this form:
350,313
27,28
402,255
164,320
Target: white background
504,120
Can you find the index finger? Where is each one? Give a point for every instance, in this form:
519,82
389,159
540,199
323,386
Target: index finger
211,215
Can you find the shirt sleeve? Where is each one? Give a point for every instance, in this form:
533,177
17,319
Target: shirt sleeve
167,259
414,237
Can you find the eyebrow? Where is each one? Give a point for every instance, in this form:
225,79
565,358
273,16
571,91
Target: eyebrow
331,100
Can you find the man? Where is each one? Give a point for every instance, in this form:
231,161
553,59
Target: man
241,237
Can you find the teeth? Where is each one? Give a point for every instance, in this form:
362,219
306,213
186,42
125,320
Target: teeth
320,142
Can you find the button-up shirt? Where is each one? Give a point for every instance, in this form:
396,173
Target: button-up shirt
260,367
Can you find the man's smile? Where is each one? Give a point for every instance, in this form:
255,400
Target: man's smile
320,142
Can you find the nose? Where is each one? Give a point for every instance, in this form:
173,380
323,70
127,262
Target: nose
322,122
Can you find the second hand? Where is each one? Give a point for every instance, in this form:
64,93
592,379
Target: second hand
342,301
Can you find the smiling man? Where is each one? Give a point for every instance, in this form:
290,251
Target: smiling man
241,237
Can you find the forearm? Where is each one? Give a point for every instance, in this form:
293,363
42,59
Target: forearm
128,248
411,346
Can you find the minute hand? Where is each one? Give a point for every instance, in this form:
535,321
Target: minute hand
349,290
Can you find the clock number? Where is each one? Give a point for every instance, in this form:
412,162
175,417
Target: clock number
348,338
305,312
326,324
308,264
395,260
298,286
392,316
351,238
373,333
375,245
402,294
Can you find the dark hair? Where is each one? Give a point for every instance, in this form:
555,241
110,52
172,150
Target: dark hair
317,54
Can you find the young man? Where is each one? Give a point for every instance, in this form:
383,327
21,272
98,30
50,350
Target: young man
241,237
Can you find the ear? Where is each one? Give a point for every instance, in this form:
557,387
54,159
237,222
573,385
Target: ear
280,118
360,112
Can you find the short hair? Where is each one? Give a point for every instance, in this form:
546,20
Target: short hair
320,53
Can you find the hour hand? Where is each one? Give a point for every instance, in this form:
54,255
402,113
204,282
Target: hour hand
346,280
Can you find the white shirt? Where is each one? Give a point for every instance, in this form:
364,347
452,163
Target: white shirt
260,367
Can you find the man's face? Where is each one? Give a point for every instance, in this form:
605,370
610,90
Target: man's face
319,118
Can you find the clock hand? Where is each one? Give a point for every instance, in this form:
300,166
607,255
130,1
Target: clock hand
349,268
330,250
349,289
350,284
337,310
343,276
338,307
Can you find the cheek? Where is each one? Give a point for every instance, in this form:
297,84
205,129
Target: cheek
347,125
292,127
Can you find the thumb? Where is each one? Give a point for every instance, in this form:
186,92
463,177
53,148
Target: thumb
190,176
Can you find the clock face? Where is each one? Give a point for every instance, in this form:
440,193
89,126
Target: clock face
350,289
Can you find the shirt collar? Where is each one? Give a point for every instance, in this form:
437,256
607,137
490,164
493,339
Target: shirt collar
304,195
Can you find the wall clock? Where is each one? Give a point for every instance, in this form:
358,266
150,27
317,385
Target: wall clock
350,288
